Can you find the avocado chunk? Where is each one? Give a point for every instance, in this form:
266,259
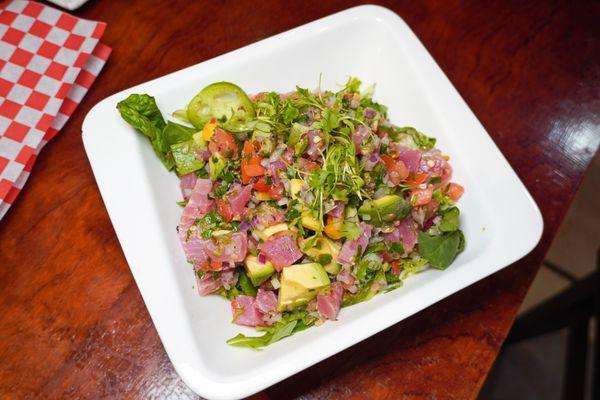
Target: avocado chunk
325,252
184,155
216,165
384,209
301,283
257,271
296,186
309,221
271,230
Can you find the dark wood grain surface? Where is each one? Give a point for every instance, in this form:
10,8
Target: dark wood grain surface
72,321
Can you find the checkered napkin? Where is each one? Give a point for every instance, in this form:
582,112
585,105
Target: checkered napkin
48,61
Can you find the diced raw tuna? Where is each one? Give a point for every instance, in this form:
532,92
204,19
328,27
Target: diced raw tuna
198,205
431,163
329,305
411,158
187,183
268,215
207,284
195,251
246,312
406,233
362,132
347,279
315,143
266,301
227,248
350,247
281,249
238,198
337,211
229,278
446,173
288,155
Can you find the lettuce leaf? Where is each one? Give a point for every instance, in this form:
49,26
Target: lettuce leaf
141,112
176,133
449,222
442,249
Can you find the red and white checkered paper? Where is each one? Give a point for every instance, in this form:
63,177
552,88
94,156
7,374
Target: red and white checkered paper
48,61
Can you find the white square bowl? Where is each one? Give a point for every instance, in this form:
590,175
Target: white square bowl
500,220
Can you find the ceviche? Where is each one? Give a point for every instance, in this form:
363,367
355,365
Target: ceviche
298,204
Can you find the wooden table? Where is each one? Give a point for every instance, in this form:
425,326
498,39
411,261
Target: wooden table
72,321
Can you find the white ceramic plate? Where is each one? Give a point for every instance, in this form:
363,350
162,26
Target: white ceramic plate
69,4
500,220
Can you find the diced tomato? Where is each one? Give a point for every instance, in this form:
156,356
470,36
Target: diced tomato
261,185
276,192
224,209
203,265
415,179
397,171
223,143
245,178
251,166
388,160
215,265
248,148
387,257
455,191
396,268
420,197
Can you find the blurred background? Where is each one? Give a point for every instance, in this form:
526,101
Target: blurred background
550,351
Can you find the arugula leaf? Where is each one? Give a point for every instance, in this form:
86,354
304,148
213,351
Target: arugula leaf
255,342
283,331
290,324
141,112
449,221
245,285
442,249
